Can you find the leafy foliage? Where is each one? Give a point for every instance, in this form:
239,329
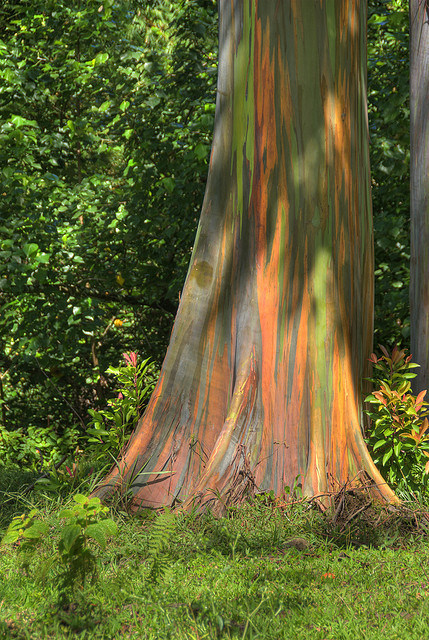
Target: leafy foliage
85,521
105,124
389,126
36,448
399,438
65,460
74,560
25,530
110,428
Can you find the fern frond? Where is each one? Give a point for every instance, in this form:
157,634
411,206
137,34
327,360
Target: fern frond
162,532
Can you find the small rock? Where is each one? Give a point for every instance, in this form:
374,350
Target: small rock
297,543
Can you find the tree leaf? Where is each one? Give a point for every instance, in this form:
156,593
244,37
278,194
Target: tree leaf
10,537
105,105
387,457
100,531
36,530
69,535
30,249
379,444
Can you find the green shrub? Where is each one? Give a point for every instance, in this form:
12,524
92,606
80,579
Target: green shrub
41,449
110,428
399,436
36,448
76,530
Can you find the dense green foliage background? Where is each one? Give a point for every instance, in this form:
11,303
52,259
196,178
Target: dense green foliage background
106,114
389,124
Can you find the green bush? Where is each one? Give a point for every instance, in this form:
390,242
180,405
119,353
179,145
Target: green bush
399,437
76,530
63,458
110,428
37,449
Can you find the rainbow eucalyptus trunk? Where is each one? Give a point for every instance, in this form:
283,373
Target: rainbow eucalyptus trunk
419,169
261,381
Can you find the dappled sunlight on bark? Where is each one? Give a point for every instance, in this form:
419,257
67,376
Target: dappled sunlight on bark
261,382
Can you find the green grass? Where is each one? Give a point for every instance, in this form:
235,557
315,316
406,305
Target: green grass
239,576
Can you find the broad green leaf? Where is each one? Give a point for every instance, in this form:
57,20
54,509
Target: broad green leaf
100,531
8,75
110,526
69,535
65,513
94,502
100,58
387,456
169,184
19,121
36,530
105,105
10,537
30,249
43,258
201,151
97,533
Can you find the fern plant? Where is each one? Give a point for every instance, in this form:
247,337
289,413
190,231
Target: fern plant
161,534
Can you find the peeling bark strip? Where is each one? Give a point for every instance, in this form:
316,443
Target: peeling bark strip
262,376
419,170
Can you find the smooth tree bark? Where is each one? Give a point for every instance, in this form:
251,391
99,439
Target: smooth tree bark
261,385
419,171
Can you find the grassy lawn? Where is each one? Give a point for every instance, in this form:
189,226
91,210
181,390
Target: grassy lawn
265,570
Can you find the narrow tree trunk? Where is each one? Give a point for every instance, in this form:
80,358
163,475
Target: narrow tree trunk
419,169
261,381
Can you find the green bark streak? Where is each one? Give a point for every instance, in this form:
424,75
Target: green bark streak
243,125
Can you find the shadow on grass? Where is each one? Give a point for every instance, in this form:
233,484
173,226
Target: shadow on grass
13,485
261,528
21,490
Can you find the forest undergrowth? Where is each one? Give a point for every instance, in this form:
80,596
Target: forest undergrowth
269,568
